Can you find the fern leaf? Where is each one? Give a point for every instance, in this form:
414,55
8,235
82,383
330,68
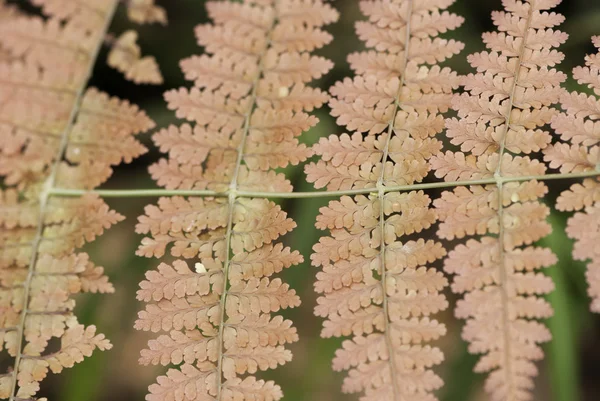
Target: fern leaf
39,42
498,129
54,133
57,274
7,13
84,13
126,57
374,286
578,128
248,106
146,12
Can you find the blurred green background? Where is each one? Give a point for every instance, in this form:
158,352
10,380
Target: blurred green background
568,373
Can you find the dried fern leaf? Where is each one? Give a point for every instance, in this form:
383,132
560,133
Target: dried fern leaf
86,13
54,132
248,106
36,303
376,285
585,229
146,12
498,130
126,56
7,13
41,43
580,151
39,100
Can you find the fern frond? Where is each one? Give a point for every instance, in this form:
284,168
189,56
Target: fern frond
580,151
54,132
249,106
88,14
500,124
126,57
375,287
146,12
7,13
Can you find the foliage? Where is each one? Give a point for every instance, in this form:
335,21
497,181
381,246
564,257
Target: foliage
501,117
441,180
376,287
248,107
54,132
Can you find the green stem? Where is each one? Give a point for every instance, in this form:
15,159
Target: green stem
138,193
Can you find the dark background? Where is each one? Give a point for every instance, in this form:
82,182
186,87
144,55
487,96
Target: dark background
570,370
